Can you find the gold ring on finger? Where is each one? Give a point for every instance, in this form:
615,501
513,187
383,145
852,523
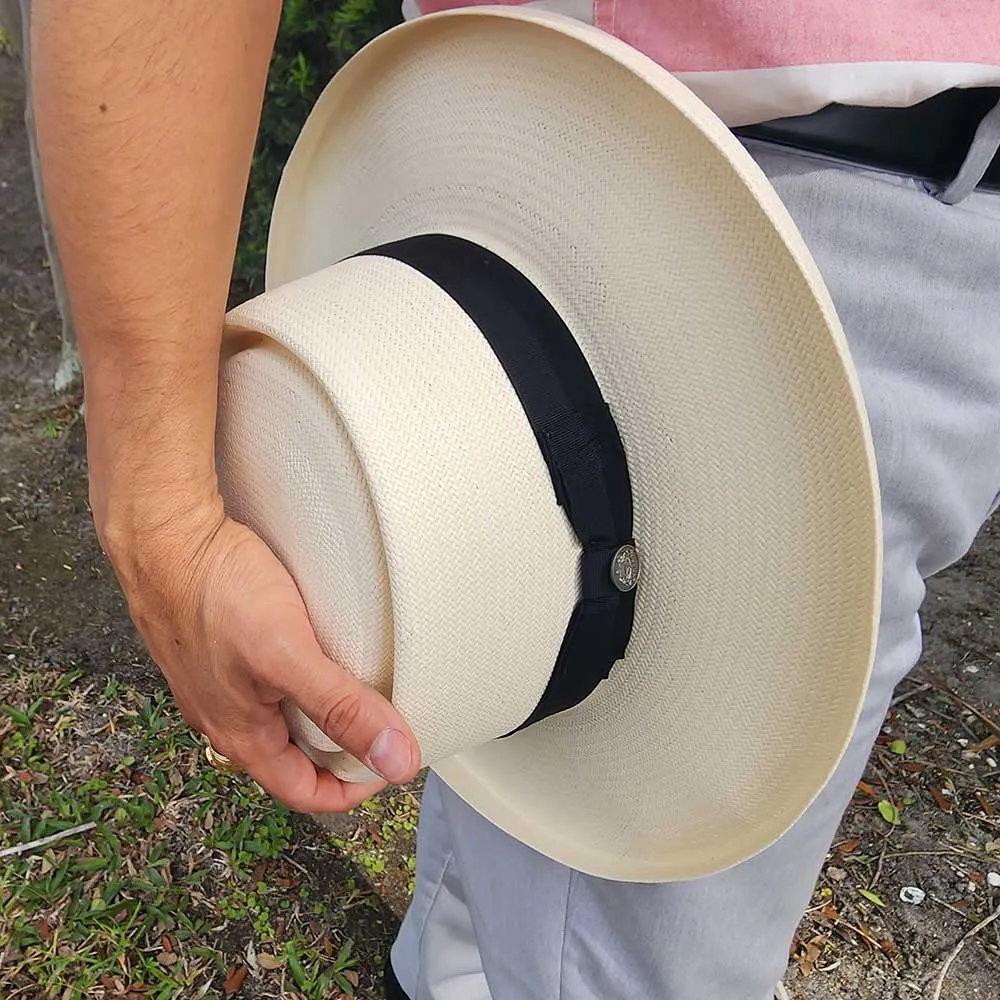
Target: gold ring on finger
219,761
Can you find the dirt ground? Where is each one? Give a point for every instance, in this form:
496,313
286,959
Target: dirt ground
926,816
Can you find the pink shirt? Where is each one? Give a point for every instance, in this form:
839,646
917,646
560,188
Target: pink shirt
751,60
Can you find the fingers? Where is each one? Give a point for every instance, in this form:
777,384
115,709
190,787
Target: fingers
291,777
254,635
286,773
353,715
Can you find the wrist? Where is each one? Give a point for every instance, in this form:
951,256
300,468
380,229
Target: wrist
151,452
146,525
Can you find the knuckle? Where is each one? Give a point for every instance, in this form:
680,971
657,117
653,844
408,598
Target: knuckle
341,713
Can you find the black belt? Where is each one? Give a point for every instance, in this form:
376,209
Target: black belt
928,141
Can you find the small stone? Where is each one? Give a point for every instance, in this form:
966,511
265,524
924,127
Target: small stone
912,894
993,879
836,874
990,762
971,668
962,741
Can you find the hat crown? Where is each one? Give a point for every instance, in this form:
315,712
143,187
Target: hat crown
408,498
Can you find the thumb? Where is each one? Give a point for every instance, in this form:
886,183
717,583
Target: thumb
350,713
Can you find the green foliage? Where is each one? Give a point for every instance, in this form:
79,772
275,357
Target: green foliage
315,39
134,869
889,812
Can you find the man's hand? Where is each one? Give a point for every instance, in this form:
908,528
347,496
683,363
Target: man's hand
227,626
147,114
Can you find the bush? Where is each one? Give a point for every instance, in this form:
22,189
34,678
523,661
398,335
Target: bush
315,38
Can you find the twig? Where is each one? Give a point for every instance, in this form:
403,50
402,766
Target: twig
881,860
840,922
45,841
912,693
936,854
993,726
948,906
958,947
885,840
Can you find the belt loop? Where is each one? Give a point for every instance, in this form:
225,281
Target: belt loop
984,147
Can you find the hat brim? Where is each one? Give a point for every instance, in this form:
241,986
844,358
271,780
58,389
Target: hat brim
710,331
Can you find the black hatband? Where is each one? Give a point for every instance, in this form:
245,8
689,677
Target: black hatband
578,439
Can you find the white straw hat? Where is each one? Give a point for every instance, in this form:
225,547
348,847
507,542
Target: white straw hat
495,222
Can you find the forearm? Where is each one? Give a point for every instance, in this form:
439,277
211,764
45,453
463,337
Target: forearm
147,115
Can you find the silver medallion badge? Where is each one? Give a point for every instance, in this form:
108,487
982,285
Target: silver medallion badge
625,568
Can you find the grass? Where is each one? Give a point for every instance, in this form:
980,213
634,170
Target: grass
190,883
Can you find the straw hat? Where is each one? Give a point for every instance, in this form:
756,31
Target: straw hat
548,412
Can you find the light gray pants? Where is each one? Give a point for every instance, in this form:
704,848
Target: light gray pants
917,285
15,17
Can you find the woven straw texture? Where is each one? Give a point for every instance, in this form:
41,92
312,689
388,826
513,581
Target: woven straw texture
368,434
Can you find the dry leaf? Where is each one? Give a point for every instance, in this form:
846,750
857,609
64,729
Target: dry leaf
943,802
866,789
44,930
811,951
269,962
234,979
913,767
988,744
984,805
166,942
167,958
351,976
848,846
